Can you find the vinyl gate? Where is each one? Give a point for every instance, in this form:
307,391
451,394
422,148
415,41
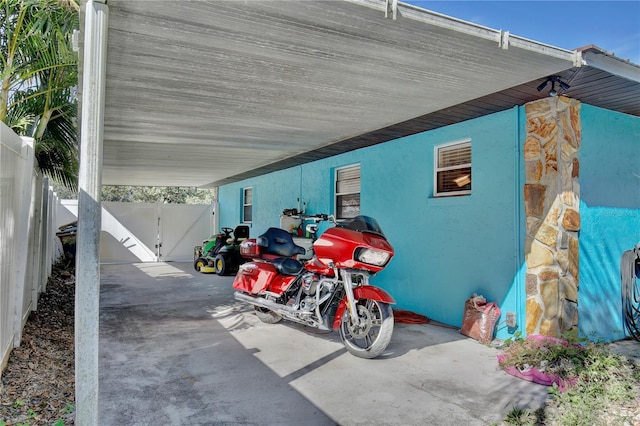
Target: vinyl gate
149,232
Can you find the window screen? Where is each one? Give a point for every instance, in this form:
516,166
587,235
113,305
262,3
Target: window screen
347,192
453,169
247,204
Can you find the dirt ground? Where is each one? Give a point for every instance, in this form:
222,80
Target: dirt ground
37,385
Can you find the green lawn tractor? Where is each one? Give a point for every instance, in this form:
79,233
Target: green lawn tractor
221,253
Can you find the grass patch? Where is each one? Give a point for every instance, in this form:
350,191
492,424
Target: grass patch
604,389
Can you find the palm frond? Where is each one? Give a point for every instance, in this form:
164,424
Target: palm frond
39,77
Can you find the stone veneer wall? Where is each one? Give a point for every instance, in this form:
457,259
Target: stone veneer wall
551,202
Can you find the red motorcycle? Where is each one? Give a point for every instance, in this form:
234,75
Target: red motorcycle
331,290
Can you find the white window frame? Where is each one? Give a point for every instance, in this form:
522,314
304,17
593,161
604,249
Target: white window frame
437,168
338,194
245,204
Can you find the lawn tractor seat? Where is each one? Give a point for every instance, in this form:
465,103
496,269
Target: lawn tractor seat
240,234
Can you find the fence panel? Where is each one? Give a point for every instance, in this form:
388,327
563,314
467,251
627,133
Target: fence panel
182,227
27,237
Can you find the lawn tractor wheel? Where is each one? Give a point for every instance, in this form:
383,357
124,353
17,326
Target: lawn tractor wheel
221,265
199,263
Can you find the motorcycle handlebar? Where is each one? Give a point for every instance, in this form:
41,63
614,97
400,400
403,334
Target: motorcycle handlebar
321,217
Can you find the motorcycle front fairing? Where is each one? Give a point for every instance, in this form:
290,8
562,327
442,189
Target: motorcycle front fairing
357,243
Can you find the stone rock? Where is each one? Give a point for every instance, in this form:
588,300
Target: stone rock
567,151
547,235
531,148
550,299
563,260
568,183
575,170
568,198
569,288
569,315
533,314
554,212
549,177
545,129
576,125
571,220
549,328
551,155
534,195
564,240
562,104
538,255
537,108
533,170
574,257
533,223
549,274
567,130
531,284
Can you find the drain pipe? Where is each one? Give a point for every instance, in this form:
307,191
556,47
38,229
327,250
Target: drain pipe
520,314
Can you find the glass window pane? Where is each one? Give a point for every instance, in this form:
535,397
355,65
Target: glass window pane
348,186
348,206
246,214
455,180
454,155
248,195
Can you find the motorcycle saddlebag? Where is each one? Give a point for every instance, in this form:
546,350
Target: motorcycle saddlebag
256,277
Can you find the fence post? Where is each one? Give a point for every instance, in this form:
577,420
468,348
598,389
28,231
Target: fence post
37,241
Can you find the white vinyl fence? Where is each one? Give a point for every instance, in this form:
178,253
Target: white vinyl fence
28,242
31,214
147,232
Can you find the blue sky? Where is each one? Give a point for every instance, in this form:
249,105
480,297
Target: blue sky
611,25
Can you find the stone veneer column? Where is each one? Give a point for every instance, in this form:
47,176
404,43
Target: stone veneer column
552,208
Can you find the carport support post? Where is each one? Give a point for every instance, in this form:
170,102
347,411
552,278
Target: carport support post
89,212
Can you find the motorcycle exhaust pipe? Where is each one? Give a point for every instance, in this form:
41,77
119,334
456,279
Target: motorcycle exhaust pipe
264,303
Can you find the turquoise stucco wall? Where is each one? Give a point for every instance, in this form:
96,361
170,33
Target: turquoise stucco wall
446,248
449,248
610,216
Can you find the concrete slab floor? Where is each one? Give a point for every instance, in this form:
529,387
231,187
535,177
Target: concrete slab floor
177,349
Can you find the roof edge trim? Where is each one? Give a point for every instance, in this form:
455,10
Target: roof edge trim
605,61
444,21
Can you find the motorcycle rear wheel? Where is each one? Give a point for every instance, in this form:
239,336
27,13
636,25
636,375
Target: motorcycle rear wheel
267,315
371,337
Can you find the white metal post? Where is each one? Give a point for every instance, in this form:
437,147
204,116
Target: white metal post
89,212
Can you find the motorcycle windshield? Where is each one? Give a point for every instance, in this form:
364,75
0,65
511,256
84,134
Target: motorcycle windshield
362,224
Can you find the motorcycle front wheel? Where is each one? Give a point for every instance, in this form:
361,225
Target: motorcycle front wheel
370,337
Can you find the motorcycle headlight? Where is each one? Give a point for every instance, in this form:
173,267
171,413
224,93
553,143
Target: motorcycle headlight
372,257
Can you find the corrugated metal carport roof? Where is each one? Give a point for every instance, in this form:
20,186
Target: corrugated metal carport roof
206,92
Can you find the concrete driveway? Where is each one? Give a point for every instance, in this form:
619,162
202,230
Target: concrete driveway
177,349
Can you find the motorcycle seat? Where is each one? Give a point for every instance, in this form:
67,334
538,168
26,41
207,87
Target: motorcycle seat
287,265
278,242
